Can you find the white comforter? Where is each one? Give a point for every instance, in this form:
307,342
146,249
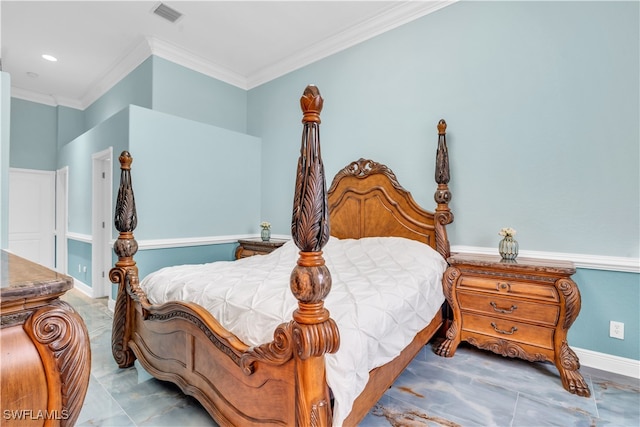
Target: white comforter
384,291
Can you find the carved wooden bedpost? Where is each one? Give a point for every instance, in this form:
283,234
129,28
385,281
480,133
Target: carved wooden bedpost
125,271
314,332
443,215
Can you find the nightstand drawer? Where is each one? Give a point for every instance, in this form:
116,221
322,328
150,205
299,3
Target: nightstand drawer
495,305
504,286
509,329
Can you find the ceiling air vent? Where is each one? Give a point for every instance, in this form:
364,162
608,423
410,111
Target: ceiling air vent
164,11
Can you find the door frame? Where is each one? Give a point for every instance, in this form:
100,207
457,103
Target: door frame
101,209
62,219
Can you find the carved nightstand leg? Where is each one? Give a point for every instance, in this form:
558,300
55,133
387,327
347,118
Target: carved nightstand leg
448,347
566,360
568,366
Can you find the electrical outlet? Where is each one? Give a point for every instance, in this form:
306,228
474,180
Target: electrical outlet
79,268
84,269
616,330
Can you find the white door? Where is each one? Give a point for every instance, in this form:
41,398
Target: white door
62,218
32,215
102,223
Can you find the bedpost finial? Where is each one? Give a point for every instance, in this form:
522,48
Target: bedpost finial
311,104
125,160
442,127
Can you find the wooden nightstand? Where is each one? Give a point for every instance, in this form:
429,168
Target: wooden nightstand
250,247
520,308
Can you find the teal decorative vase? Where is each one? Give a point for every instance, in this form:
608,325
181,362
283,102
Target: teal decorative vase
265,234
508,248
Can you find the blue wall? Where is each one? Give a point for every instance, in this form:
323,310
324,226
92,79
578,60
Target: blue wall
607,295
79,254
34,135
134,89
542,112
192,95
77,154
193,179
71,124
542,102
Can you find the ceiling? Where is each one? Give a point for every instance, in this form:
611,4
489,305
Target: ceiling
244,43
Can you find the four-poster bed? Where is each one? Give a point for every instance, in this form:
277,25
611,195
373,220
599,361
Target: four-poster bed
287,379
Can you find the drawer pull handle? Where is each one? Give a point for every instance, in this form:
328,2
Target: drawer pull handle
503,310
503,286
500,331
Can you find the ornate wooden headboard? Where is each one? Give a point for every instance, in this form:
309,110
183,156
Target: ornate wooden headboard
366,200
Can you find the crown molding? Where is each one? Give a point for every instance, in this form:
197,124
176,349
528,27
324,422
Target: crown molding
28,95
50,100
122,67
396,16
393,17
195,62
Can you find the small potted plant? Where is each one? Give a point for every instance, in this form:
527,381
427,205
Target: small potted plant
508,246
265,233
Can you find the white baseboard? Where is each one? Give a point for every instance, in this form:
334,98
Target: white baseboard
111,305
83,287
608,362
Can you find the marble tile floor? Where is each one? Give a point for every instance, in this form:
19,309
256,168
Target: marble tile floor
473,388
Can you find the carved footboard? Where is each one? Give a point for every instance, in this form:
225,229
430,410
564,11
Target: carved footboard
281,382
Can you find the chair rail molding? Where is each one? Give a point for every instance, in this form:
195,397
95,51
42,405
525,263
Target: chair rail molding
592,262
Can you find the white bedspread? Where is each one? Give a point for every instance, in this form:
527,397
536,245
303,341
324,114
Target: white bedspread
384,291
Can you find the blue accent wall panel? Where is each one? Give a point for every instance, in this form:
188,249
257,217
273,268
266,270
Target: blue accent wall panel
606,296
193,179
150,260
71,125
186,93
134,89
77,154
33,135
79,254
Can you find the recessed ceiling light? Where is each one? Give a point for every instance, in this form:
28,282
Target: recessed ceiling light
50,58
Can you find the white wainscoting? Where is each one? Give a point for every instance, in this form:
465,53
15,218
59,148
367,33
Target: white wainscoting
593,262
85,238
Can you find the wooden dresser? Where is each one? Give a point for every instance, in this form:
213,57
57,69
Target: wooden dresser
45,359
520,308
257,246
